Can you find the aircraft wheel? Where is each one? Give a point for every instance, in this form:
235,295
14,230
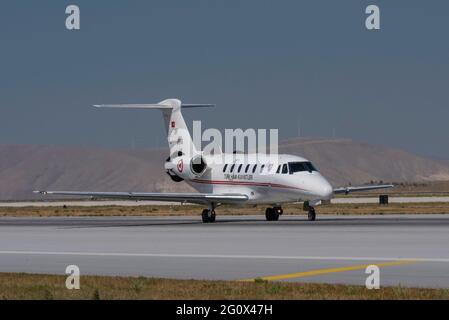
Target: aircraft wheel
208,216
271,214
278,210
311,215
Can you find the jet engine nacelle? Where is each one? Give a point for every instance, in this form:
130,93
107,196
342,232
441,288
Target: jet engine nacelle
185,168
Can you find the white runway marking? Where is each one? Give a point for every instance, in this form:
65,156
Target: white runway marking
212,256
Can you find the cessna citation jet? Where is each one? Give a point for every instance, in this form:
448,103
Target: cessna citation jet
251,179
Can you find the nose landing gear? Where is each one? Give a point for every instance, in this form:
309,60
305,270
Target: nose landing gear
311,215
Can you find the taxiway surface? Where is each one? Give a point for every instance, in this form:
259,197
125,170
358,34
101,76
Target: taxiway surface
411,250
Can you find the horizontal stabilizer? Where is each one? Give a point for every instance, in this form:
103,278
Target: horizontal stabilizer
197,105
135,106
151,106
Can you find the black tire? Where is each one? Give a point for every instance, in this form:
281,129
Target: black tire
208,216
311,215
271,214
268,214
205,216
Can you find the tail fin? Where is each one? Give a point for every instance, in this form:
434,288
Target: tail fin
179,139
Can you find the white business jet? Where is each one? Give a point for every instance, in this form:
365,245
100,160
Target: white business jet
229,179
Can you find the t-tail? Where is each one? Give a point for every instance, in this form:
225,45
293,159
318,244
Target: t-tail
185,162
179,138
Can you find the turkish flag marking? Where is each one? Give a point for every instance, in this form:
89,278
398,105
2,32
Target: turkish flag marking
180,165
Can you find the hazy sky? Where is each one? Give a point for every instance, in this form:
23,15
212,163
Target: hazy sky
265,64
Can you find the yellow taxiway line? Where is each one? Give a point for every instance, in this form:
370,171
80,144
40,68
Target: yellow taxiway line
332,270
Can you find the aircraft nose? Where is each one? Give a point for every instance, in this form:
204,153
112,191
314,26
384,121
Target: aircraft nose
324,189
327,191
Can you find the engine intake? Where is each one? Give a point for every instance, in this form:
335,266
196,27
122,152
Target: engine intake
184,168
198,165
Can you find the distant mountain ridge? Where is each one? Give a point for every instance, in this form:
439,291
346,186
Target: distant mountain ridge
24,168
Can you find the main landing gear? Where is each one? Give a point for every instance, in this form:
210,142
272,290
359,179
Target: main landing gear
272,214
208,215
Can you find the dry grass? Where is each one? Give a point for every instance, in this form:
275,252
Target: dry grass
192,210
392,208
44,287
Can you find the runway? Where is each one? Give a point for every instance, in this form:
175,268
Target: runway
411,250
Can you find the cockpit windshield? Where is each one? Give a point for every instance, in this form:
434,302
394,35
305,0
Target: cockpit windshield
300,166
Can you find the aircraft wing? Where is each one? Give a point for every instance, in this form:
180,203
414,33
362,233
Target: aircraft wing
171,197
347,190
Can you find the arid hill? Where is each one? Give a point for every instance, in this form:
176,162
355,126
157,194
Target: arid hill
24,168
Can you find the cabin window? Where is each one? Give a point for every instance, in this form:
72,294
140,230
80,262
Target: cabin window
255,167
247,168
284,168
261,168
232,168
225,167
240,168
279,169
